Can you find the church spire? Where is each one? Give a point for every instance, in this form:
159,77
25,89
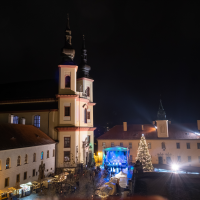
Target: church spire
83,67
161,115
68,51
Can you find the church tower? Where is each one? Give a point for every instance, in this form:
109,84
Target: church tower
161,122
75,103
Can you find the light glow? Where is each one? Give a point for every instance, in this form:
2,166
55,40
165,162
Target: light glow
175,167
155,127
197,133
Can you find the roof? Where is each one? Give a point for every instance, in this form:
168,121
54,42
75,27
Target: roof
134,132
14,136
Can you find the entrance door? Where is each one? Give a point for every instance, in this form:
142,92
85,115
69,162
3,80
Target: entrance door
160,160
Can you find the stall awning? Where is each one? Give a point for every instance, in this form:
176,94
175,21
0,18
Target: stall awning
116,148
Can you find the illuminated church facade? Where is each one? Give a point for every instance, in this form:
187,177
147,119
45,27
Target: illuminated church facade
168,143
63,108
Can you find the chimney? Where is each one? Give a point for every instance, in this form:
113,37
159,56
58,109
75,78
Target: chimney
10,118
142,127
125,126
198,124
23,121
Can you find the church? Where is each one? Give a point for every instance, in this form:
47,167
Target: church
62,109
168,142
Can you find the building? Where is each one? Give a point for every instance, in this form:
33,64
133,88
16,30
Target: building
26,154
167,142
62,109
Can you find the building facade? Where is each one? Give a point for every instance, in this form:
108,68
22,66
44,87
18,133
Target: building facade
26,155
167,142
62,109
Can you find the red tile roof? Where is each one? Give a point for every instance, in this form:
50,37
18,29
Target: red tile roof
134,132
18,136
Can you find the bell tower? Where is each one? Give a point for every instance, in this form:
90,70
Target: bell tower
162,122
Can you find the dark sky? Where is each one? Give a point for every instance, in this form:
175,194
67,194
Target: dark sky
137,50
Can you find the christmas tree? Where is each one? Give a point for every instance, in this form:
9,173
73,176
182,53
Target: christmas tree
143,155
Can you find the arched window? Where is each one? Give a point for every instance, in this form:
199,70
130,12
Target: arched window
42,155
26,159
18,160
37,121
67,81
34,157
88,91
85,115
47,153
7,163
15,120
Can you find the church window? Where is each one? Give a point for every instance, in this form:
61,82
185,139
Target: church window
47,153
37,121
15,120
198,145
7,163
26,159
88,91
67,142
42,155
85,115
149,145
66,156
178,145
188,145
34,157
67,111
189,159
67,81
18,161
88,115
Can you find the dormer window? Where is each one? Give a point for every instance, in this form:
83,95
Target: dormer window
67,81
15,120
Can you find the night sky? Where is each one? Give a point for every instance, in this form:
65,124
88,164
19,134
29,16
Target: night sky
137,50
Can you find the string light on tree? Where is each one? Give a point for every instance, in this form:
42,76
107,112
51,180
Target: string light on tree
143,155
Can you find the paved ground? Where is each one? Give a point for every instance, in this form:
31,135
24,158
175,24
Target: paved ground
172,186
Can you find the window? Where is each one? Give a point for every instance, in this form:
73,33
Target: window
85,115
149,145
15,120
53,152
66,156
7,163
42,155
18,161
130,145
66,142
67,111
163,145
88,138
112,144
103,144
25,175
67,81
18,178
37,121
168,159
198,145
88,115
47,153
6,182
188,145
34,157
178,145
179,159
189,159
121,144
88,91
33,172
26,159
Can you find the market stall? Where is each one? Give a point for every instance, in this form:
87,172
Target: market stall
122,179
26,189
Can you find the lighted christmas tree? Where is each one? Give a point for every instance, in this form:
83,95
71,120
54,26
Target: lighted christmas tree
143,155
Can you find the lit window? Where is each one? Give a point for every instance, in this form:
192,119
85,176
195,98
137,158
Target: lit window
178,145
7,163
66,156
198,145
15,120
189,159
66,142
112,144
67,81
18,161
26,159
42,155
149,145
188,145
34,157
47,153
37,121
179,159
